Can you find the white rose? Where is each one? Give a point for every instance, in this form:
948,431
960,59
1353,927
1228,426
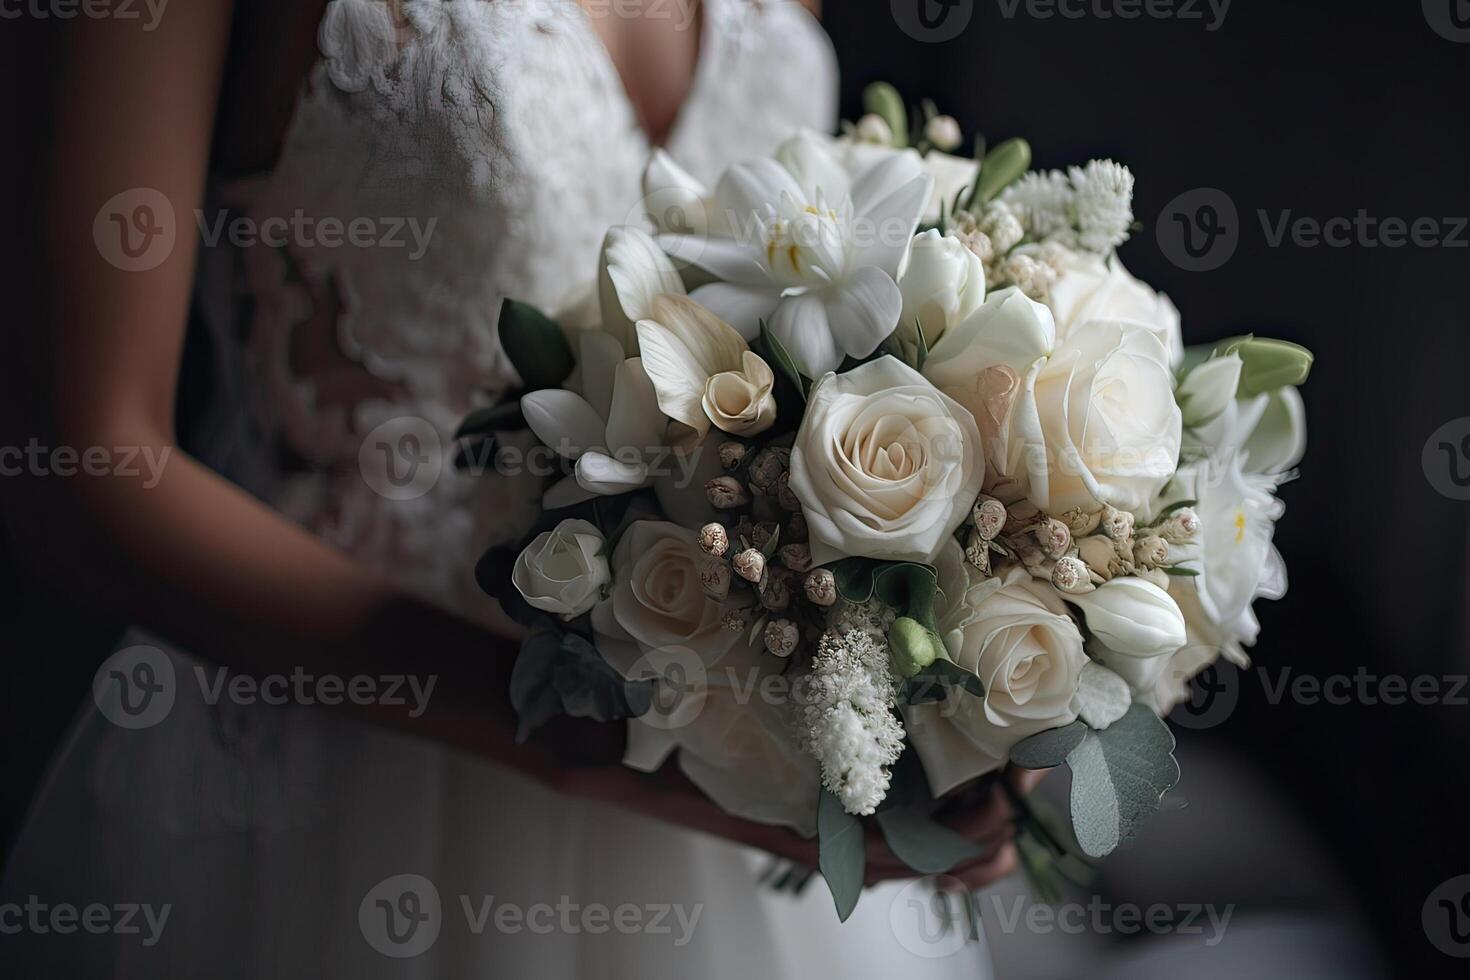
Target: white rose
658,609
1093,288
1015,635
1072,423
563,570
942,283
884,465
951,174
742,752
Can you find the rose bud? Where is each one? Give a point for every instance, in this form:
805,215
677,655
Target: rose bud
713,540
1054,537
1117,524
989,515
715,577
1150,551
1180,526
1071,576
910,646
750,565
781,637
820,587
797,557
732,454
726,493
795,529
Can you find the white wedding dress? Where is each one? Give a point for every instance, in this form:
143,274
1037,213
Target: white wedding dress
265,829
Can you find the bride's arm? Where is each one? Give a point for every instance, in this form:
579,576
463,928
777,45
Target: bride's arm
191,557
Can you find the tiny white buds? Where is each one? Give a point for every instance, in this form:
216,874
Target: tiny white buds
750,565
797,557
781,637
726,493
1180,526
1054,537
820,587
713,540
989,516
715,577
1150,551
732,454
872,128
943,132
1117,524
1071,576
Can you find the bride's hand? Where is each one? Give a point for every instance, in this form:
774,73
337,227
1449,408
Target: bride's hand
983,814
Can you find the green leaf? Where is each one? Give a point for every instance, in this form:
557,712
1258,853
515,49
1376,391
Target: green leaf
883,100
1049,748
842,853
1001,165
1118,778
505,417
536,346
935,681
854,577
1180,570
1268,364
784,362
910,588
921,354
928,847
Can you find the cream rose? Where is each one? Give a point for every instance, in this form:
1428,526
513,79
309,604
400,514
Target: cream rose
741,751
563,570
1071,424
1014,634
658,609
1093,288
884,465
942,282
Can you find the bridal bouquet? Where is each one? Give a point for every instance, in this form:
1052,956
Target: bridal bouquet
880,473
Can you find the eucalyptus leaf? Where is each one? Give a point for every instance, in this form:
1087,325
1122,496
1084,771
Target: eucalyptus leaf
1118,777
536,346
1180,570
842,853
928,847
1048,749
1102,696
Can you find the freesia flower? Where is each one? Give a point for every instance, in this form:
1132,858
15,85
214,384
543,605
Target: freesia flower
815,253
632,272
703,371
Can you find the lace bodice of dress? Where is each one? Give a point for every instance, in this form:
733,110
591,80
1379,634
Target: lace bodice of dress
500,130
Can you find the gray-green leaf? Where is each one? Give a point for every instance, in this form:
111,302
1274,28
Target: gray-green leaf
928,847
842,855
1118,778
1049,748
535,345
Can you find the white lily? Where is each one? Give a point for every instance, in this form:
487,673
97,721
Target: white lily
815,253
703,371
613,429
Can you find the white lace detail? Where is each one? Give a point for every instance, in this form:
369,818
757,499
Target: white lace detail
501,125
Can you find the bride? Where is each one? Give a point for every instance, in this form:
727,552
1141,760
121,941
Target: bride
269,839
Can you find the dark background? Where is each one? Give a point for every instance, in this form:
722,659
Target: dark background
1316,107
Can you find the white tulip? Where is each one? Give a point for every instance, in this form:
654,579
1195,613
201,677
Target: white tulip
1093,288
885,466
943,132
1209,389
563,570
1133,617
703,371
1015,635
632,272
675,200
942,282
